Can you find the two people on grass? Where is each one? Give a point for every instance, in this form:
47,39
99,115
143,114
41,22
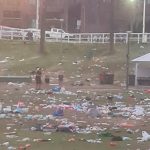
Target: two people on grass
38,79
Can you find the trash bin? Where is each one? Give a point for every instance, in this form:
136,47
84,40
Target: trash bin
106,78
131,80
109,79
102,78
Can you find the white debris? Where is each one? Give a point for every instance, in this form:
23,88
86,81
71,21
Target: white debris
138,111
145,136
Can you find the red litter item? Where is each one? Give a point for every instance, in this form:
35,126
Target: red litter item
20,104
147,91
113,144
126,125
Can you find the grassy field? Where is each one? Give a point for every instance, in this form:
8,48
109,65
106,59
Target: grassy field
60,140
78,61
86,59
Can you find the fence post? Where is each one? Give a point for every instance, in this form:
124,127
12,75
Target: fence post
138,38
103,38
126,38
11,35
115,37
79,38
91,38
23,35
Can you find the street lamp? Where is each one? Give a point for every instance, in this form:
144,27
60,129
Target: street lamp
143,25
61,26
143,31
132,15
61,23
37,14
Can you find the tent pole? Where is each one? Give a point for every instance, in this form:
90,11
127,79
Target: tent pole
136,74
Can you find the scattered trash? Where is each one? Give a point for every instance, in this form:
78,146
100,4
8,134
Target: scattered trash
93,112
126,125
74,112
42,140
113,144
94,141
145,136
58,112
56,88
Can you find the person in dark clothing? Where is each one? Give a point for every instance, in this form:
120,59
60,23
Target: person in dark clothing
60,79
47,80
38,77
30,36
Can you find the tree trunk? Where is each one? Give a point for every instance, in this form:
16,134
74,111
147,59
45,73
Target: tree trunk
112,26
42,23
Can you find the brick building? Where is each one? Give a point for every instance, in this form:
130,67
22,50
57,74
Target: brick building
78,15
16,13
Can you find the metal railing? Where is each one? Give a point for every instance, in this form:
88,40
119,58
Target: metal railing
79,37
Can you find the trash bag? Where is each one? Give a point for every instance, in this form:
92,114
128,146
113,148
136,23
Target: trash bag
56,89
93,112
117,138
65,128
58,112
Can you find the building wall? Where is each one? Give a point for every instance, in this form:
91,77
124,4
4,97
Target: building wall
95,16
77,15
55,13
144,69
16,13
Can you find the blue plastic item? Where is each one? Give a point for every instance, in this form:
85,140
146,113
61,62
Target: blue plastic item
56,88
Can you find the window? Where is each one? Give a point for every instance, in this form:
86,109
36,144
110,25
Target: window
54,30
11,14
50,15
61,31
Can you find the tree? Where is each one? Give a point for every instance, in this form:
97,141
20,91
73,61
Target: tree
112,3
42,26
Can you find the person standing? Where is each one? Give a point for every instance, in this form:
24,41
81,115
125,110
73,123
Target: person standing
60,79
47,80
38,79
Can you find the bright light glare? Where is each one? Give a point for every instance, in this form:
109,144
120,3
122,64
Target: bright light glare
132,0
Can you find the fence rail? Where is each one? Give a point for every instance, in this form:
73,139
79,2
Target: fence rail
80,37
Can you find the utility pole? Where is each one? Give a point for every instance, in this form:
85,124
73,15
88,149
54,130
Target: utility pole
61,26
112,3
143,29
42,25
37,13
127,59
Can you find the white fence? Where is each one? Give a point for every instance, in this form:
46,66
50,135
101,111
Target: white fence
80,37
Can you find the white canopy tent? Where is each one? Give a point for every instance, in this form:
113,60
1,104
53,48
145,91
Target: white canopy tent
142,67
